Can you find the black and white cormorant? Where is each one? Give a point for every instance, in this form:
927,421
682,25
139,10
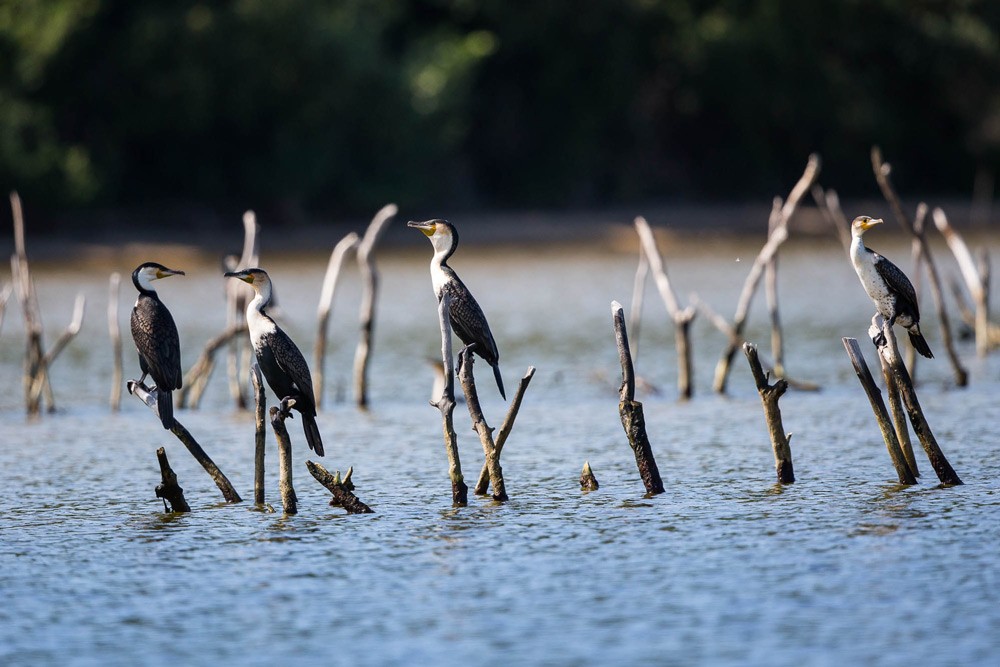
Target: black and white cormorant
466,316
886,285
280,361
156,339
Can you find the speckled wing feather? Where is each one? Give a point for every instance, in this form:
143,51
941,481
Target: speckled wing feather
468,321
157,342
899,284
290,360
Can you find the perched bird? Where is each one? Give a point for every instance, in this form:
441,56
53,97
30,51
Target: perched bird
886,285
280,361
156,339
466,316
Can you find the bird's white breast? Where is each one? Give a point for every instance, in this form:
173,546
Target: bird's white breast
438,278
864,266
258,324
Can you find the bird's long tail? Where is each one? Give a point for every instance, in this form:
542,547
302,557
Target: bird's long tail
312,434
165,408
919,344
496,374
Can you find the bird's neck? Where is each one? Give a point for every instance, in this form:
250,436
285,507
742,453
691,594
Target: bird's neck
441,273
258,321
858,249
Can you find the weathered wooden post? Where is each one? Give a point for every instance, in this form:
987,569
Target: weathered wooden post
630,410
903,471
369,293
278,415
446,404
330,281
260,433
148,396
490,451
769,395
168,489
483,485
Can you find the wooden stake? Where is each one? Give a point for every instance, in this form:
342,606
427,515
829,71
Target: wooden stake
148,396
898,414
682,318
906,476
342,494
114,331
483,485
769,395
887,347
446,404
168,489
260,433
369,293
340,251
587,480
490,451
288,499
630,410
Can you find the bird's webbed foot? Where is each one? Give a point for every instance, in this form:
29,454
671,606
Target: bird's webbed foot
879,339
285,407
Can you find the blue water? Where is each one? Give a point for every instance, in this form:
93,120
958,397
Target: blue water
726,567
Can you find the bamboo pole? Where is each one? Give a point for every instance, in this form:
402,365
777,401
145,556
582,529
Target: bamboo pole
341,490
883,172
114,332
973,278
288,499
682,318
630,410
884,338
148,396
769,395
330,281
588,482
446,404
483,485
490,451
260,433
168,489
780,213
903,471
369,293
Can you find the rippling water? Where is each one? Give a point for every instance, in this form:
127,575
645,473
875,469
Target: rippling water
726,567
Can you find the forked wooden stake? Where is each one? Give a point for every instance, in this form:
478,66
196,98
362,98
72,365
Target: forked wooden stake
483,485
346,245
369,293
769,395
490,451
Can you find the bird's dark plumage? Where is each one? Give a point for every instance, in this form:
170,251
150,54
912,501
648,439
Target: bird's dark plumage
156,338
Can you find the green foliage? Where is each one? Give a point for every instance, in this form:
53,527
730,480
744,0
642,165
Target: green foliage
341,106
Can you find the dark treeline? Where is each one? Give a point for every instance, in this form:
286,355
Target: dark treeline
306,107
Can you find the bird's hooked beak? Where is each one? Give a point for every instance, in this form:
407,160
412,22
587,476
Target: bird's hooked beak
427,228
869,223
241,275
166,273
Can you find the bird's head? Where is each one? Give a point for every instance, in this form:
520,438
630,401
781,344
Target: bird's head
256,278
146,273
862,224
442,234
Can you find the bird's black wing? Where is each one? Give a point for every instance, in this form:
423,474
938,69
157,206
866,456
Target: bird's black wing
157,342
899,284
468,320
290,360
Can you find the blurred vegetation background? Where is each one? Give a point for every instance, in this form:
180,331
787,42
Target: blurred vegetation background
309,109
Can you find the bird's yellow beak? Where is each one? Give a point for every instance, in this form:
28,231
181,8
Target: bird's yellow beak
167,273
427,228
871,222
240,275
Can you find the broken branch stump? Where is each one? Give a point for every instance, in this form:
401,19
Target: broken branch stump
260,433
630,410
769,395
341,489
329,291
587,480
446,404
490,451
483,485
288,500
168,489
369,294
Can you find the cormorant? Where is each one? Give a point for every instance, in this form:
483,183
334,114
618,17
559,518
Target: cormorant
886,285
466,316
156,340
280,361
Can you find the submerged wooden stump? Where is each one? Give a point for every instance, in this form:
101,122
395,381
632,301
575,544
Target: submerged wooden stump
588,482
342,489
168,489
769,395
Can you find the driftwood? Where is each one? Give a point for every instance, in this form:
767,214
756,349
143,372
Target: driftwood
884,338
903,470
483,485
781,213
446,404
149,396
630,410
369,294
342,490
882,173
490,450
114,332
682,318
288,500
587,480
196,379
340,251
260,433
976,278
769,395
168,489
